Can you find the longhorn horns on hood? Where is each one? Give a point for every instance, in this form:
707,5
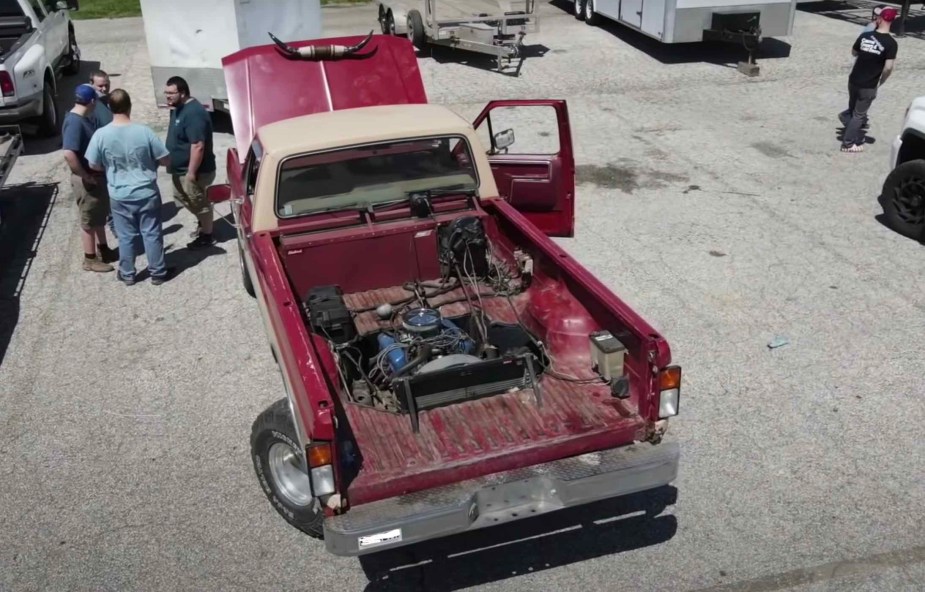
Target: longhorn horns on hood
319,52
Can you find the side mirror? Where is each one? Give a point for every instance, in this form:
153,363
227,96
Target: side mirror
218,193
504,139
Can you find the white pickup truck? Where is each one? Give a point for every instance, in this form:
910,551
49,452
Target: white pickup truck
903,192
37,44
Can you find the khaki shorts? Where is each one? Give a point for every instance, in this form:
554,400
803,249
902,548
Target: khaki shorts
92,201
193,195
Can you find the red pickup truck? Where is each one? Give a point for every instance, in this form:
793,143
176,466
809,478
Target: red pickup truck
447,366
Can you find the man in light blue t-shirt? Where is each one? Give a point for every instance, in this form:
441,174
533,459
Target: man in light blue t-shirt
130,153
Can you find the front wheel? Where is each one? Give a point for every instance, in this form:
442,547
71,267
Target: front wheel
591,17
73,66
245,276
578,9
904,199
278,462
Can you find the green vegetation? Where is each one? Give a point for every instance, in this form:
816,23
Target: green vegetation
93,9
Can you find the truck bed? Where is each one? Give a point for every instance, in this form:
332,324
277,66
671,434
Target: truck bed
471,439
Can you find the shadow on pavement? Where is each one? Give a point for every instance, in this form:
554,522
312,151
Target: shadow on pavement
450,55
65,99
527,546
24,211
709,52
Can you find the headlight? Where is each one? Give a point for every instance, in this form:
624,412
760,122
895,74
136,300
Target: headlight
669,396
323,480
668,403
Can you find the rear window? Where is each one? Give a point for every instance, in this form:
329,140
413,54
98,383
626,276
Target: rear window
373,174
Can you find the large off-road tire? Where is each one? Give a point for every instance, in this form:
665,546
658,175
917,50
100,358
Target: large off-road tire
73,67
591,17
245,276
49,123
903,198
416,29
277,461
578,9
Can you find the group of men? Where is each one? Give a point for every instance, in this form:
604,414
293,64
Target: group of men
875,53
114,163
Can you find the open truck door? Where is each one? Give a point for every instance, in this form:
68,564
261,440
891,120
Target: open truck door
531,157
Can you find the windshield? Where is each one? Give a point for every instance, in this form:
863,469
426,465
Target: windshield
373,174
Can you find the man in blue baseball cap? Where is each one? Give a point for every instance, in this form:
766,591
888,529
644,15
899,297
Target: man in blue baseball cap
90,190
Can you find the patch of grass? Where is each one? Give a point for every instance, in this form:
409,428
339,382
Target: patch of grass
94,9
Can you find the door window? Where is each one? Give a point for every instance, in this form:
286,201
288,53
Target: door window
39,9
534,129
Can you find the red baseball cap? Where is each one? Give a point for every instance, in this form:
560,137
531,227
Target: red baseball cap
888,14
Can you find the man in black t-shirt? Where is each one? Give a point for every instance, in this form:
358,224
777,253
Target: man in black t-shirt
875,52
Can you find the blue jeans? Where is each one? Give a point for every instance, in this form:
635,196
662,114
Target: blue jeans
139,217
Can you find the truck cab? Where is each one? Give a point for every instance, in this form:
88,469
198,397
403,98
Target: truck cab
447,366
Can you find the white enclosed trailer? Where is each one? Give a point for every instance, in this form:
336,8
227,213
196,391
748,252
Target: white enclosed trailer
189,38
688,21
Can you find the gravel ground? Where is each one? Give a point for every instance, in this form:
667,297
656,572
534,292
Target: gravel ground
717,205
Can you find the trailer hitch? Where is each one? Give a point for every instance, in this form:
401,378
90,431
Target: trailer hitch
744,28
321,52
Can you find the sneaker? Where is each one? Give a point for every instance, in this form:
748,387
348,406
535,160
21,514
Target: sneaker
127,281
157,280
96,265
201,242
109,255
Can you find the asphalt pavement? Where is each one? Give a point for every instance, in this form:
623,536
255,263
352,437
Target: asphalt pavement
717,205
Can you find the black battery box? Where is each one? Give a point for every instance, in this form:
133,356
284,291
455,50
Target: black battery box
328,314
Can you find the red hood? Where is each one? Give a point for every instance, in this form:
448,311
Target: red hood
265,87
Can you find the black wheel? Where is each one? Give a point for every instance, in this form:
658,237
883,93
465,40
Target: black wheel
278,463
73,66
383,24
903,199
591,17
49,125
416,29
245,276
390,22
578,9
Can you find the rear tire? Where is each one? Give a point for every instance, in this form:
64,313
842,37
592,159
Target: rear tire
275,452
416,29
903,198
578,9
49,124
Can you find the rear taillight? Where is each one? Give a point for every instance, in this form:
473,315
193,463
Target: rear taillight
669,391
321,469
6,84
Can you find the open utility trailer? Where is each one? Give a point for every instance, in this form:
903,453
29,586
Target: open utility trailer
491,27
11,148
